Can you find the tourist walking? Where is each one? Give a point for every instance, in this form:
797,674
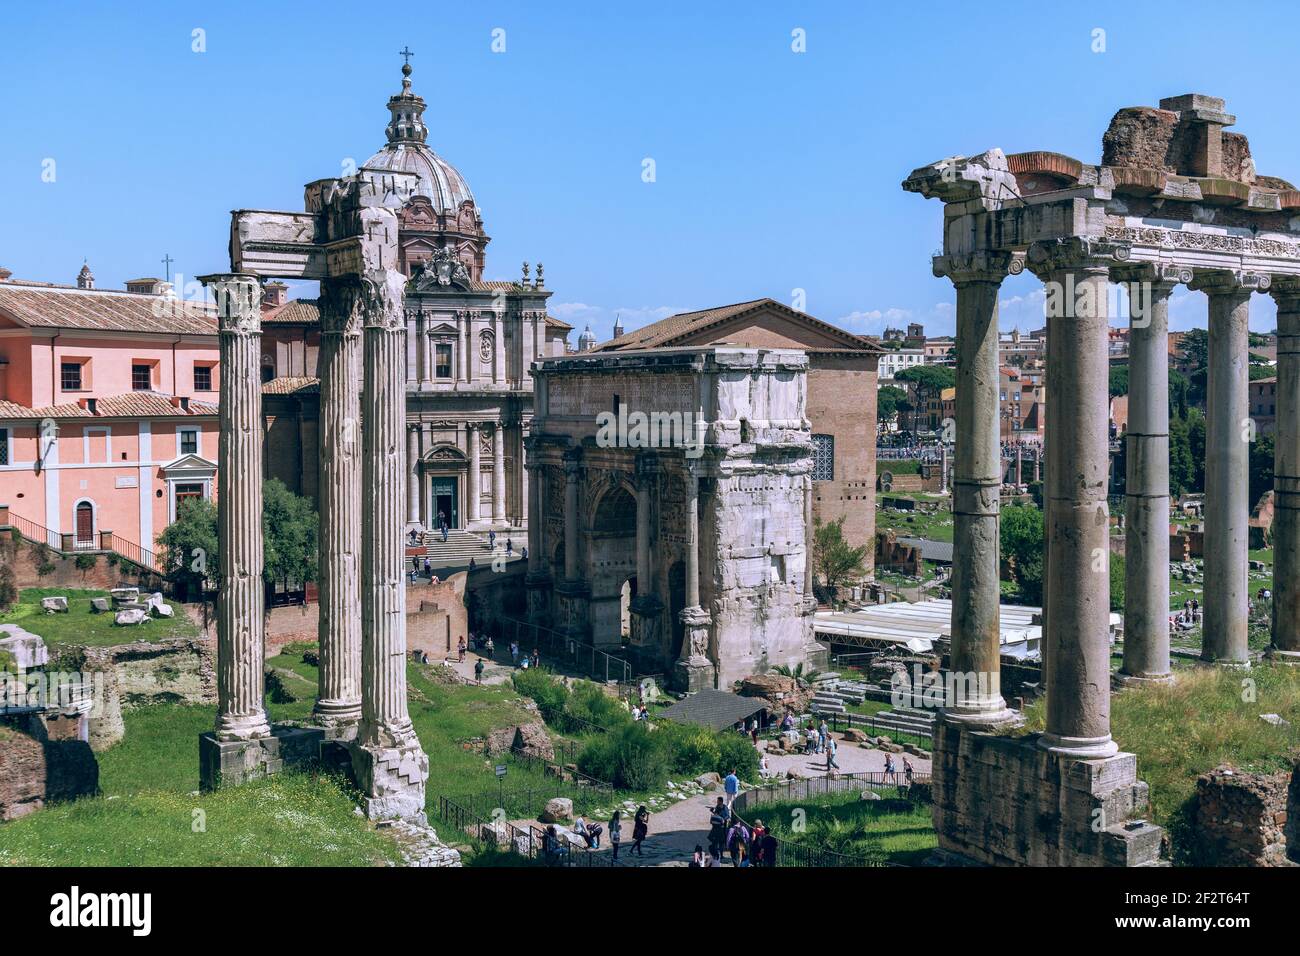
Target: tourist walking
616,831
831,747
697,858
889,768
460,650
640,830
428,568
492,540
756,842
731,786
478,670
737,839
537,657
510,547
822,733
514,653
717,830
907,771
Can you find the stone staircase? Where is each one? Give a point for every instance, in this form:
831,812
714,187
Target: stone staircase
460,546
832,694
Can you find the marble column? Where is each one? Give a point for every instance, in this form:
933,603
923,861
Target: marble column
241,714
572,518
339,609
462,339
421,340
475,472
1227,467
976,696
498,347
535,519
1077,639
809,594
1285,645
413,477
694,669
390,767
1146,499
644,487
498,474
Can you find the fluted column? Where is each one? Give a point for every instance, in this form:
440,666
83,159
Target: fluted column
572,481
499,347
644,485
535,520
241,714
809,593
498,474
339,608
475,472
1077,656
976,487
1286,477
413,477
1227,466
1146,501
391,766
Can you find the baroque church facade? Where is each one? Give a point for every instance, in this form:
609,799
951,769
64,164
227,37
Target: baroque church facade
470,345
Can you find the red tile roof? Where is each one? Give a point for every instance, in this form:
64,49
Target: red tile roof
290,385
130,405
62,307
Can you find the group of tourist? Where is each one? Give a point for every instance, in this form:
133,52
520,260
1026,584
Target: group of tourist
747,846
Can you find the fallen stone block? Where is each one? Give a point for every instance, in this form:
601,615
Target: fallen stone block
130,615
99,605
58,604
557,810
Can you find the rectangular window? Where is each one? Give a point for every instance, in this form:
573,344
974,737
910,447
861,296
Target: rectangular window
442,361
189,441
823,458
4,446
141,378
203,378
70,374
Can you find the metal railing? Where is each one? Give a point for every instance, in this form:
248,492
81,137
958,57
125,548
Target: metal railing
71,543
870,723
530,843
586,656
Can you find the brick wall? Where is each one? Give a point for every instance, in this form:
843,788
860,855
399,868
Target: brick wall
36,768
842,403
21,555
1241,818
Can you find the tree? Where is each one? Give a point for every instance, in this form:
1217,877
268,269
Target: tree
1261,467
833,557
1178,386
1196,441
1021,534
889,401
928,381
1181,469
1116,582
289,549
1118,380
289,529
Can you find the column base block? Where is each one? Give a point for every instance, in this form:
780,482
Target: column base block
694,674
393,780
230,763
1120,680
337,719
1003,800
1002,716
1278,656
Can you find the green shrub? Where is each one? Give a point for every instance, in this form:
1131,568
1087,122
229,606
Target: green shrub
547,692
8,588
737,752
631,758
694,749
590,703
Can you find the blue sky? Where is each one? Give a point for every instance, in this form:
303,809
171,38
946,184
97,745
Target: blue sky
775,170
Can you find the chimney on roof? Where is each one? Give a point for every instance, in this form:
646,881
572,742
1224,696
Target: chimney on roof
4,273
89,404
274,295
85,278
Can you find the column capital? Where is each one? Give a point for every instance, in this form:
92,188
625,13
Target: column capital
965,268
340,304
383,294
239,301
572,461
1229,282
1162,276
1048,257
1285,291
647,466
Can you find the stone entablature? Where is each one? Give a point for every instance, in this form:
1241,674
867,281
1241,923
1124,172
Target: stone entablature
707,528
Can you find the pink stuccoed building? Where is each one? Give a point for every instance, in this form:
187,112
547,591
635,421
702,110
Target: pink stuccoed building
108,410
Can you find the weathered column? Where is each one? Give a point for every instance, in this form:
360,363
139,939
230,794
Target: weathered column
498,347
1146,501
241,714
413,477
809,594
389,765
1228,434
498,474
1285,645
534,519
475,473
694,669
975,696
339,622
644,479
572,474
1077,639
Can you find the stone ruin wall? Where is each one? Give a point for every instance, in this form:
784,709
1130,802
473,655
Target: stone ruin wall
1246,819
754,521
1047,804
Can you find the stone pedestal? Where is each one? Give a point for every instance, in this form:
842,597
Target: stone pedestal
694,670
393,779
229,763
1008,801
538,585
647,637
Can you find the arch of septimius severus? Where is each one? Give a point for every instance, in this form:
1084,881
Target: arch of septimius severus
1175,201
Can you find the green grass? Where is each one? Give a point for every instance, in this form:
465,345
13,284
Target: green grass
1207,718
146,812
888,830
79,626
936,526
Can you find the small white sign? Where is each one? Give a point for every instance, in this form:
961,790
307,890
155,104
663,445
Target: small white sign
127,481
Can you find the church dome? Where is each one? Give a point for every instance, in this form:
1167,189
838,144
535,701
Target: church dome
406,152
587,340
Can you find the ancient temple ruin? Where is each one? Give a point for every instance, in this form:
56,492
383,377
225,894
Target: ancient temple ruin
1175,200
673,490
